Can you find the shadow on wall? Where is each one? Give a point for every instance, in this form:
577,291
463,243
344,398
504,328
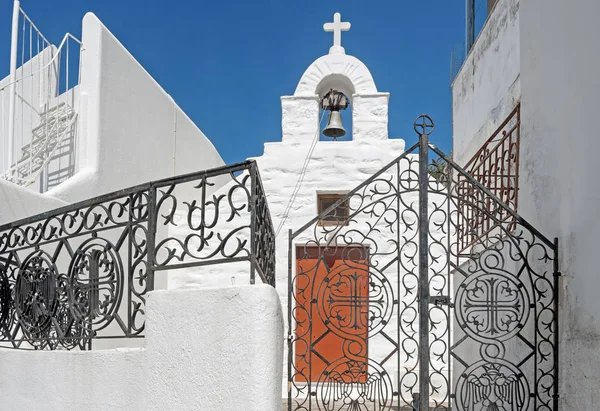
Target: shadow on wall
61,158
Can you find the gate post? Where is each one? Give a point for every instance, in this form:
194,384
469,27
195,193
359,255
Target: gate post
416,402
425,124
290,336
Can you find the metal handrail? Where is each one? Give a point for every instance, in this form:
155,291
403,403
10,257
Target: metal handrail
33,24
92,263
496,167
493,137
52,60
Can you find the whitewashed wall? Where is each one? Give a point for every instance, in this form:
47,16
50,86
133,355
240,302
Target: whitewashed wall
488,86
211,349
17,202
131,130
559,91
485,91
560,190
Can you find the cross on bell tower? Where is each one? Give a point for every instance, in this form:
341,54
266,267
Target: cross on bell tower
337,27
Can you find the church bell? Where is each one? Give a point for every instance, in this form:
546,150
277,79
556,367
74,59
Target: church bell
334,128
334,101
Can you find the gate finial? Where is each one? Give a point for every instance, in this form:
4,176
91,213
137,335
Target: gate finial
424,125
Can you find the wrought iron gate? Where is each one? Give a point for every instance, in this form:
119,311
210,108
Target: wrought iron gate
431,294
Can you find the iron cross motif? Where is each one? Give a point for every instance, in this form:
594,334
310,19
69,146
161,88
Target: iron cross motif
424,125
493,307
348,302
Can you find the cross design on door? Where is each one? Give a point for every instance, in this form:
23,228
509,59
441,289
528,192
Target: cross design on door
346,301
351,301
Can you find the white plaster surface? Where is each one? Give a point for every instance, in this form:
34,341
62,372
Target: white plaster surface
210,349
559,186
299,118
18,202
559,89
131,130
484,93
370,116
488,86
234,360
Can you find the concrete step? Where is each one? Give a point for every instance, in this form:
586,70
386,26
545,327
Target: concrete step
315,407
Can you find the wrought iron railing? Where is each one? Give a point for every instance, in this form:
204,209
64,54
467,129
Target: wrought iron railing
495,166
83,272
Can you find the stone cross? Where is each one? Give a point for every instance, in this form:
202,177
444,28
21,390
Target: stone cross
337,27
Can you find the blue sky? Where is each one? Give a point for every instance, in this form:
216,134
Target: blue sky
227,63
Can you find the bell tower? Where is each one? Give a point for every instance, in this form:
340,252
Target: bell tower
368,111
304,176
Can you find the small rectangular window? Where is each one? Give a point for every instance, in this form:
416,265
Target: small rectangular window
337,216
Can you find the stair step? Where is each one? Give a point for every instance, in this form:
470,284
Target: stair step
50,135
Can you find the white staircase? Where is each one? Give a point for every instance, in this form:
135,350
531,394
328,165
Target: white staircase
38,106
51,141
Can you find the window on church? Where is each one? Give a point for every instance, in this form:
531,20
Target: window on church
339,215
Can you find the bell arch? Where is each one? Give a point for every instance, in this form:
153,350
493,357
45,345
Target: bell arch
339,67
337,82
368,116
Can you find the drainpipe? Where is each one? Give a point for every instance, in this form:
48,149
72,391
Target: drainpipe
14,41
470,8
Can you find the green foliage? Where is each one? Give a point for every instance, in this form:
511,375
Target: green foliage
438,169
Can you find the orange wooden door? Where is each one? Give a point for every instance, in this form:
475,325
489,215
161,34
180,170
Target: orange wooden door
332,310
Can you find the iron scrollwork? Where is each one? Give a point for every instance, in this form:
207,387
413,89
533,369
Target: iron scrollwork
495,166
36,293
84,271
96,282
372,327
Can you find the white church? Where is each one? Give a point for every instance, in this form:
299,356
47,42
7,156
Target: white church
323,275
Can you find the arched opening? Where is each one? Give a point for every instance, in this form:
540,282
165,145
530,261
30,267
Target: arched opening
343,84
